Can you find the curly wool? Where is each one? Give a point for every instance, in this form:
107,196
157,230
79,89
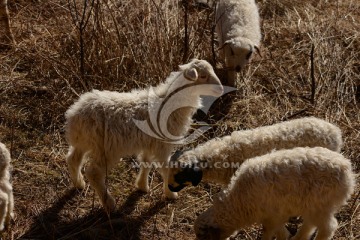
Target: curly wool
101,125
212,156
6,191
309,182
238,31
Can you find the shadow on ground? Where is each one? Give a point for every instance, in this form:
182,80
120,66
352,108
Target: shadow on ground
95,225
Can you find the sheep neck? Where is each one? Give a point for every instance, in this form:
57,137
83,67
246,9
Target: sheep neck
180,117
174,89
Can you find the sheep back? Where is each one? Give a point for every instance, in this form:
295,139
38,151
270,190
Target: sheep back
235,19
282,184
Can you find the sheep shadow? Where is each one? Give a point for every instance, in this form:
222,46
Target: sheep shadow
95,225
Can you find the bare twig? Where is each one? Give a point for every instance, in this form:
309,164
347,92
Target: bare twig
186,36
81,21
312,75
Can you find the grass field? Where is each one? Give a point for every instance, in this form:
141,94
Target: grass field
64,49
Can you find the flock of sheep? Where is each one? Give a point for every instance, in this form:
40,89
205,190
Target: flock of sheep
269,174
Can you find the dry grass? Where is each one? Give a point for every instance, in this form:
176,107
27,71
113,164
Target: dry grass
127,44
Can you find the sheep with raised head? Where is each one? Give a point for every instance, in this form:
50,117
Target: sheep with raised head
6,192
5,23
309,182
218,159
238,31
104,126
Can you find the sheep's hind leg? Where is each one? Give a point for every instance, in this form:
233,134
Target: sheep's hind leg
3,210
306,230
142,180
10,208
326,227
96,175
74,161
274,228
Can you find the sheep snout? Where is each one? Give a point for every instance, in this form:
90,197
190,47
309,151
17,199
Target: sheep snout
190,175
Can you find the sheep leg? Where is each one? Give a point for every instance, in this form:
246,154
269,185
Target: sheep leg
74,160
231,78
282,233
3,210
272,228
164,174
96,175
326,228
162,168
142,180
10,208
306,230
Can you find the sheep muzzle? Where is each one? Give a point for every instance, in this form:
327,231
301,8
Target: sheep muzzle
189,175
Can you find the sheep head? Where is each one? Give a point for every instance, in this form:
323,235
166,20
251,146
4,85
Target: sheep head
202,74
205,227
238,52
184,171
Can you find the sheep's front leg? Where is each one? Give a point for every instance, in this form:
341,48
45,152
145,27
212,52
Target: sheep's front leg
231,78
142,182
96,175
164,174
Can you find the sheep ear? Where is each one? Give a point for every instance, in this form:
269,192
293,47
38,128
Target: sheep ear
196,175
176,155
224,44
191,74
257,50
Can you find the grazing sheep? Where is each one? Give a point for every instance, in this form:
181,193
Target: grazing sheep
102,124
5,23
218,159
6,192
309,182
238,31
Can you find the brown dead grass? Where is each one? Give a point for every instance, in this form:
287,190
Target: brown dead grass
131,44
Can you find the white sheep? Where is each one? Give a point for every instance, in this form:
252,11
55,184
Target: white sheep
5,23
218,159
6,192
309,182
102,124
238,31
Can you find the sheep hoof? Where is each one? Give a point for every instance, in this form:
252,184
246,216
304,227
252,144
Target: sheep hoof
80,184
171,195
142,187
